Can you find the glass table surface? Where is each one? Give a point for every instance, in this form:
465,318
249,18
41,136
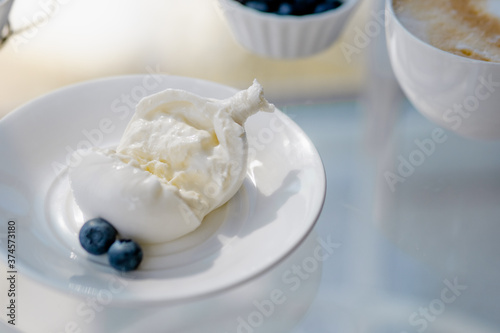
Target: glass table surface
407,242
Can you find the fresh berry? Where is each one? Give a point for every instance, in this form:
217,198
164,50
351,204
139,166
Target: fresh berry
327,5
125,255
285,9
97,235
292,7
258,5
303,7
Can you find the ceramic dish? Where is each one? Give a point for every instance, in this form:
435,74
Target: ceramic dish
262,224
458,93
286,36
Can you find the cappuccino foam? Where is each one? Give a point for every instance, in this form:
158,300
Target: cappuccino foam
468,28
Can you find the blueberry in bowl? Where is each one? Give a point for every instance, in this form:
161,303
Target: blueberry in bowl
292,7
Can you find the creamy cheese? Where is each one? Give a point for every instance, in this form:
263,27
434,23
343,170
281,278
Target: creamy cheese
180,157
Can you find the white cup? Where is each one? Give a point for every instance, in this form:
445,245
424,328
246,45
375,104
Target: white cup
5,6
455,92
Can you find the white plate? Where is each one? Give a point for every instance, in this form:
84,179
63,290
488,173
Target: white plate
269,217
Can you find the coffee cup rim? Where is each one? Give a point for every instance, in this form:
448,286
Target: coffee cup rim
390,8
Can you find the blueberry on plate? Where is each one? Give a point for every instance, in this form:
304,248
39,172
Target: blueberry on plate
125,255
97,235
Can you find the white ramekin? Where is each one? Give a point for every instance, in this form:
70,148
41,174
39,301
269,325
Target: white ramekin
285,36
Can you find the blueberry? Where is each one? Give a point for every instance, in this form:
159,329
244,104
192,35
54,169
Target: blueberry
303,7
97,235
292,7
323,7
327,5
273,5
284,9
258,5
125,255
